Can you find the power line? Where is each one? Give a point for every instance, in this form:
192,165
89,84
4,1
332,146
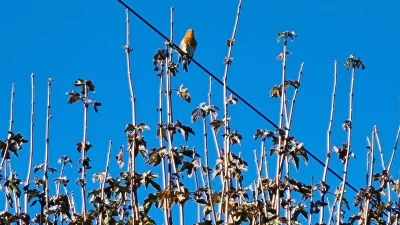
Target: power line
232,91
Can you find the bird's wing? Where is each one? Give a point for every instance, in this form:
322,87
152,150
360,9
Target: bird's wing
191,51
182,46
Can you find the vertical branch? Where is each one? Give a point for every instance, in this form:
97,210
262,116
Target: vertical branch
371,172
46,151
368,161
264,159
132,146
8,139
212,117
73,208
260,184
289,121
228,62
389,167
311,200
12,107
169,102
379,148
206,155
209,95
280,147
282,133
165,176
384,169
217,147
168,72
372,161
64,160
169,113
84,149
6,192
105,179
9,128
328,143
128,50
31,147
288,126
349,129
394,149
331,210
15,197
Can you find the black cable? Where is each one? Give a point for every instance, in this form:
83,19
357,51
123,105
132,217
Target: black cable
232,91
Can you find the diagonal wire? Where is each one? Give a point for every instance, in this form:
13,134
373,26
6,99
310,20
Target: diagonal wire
232,91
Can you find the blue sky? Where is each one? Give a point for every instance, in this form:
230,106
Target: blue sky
83,39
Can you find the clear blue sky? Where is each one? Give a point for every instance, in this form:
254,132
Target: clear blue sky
83,39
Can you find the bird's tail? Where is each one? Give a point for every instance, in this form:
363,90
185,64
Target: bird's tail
184,62
185,65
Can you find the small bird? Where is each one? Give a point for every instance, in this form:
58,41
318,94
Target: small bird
188,45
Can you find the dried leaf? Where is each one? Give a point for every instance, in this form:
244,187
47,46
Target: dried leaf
231,100
184,93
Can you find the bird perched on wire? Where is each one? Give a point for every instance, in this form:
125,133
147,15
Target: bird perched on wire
188,45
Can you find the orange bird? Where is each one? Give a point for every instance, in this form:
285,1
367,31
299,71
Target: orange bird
188,45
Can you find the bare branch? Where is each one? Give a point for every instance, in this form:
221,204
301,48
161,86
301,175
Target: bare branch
9,126
32,136
328,141
47,148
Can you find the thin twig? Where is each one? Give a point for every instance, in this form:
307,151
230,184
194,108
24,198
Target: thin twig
349,133
212,118
217,148
6,192
132,146
8,139
31,139
181,206
331,210
206,155
371,172
83,150
260,184
368,162
228,62
9,127
379,148
280,126
58,182
15,197
170,114
73,208
328,141
288,126
312,200
394,149
165,176
196,182
105,179
47,146
289,121
384,168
